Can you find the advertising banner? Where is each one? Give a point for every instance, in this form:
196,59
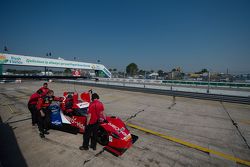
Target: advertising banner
11,59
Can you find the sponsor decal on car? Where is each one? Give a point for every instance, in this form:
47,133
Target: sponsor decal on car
77,123
83,105
119,130
110,138
126,138
56,122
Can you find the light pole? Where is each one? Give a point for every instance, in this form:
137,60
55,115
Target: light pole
124,77
208,85
45,68
76,59
144,78
5,49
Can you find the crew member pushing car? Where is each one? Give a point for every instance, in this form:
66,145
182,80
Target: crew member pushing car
43,112
32,105
95,113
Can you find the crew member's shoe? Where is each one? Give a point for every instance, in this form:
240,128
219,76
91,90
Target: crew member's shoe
83,148
94,148
42,135
46,132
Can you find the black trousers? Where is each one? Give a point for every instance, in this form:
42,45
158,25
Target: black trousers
43,122
33,111
90,133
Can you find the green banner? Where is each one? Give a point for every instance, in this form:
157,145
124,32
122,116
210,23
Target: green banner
11,59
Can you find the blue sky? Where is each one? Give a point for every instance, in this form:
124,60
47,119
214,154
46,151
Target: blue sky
154,34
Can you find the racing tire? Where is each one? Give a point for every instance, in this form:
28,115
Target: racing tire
102,136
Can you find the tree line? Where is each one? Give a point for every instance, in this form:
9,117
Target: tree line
132,70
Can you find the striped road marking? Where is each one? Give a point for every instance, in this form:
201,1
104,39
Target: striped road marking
191,145
245,122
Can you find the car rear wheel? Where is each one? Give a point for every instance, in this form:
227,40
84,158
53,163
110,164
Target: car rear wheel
102,136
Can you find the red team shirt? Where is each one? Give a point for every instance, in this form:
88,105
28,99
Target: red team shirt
34,98
45,91
96,109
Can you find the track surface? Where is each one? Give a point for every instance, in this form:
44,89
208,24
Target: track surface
201,122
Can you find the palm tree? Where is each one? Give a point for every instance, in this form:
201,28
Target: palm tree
132,69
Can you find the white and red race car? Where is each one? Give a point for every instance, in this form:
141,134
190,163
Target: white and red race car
70,116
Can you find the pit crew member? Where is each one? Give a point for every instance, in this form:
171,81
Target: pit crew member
32,105
95,113
43,112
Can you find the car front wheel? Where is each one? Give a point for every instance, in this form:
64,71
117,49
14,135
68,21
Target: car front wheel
102,136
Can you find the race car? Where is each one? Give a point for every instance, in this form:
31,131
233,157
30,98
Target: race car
70,116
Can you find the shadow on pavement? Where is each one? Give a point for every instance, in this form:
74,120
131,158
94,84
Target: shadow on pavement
10,154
